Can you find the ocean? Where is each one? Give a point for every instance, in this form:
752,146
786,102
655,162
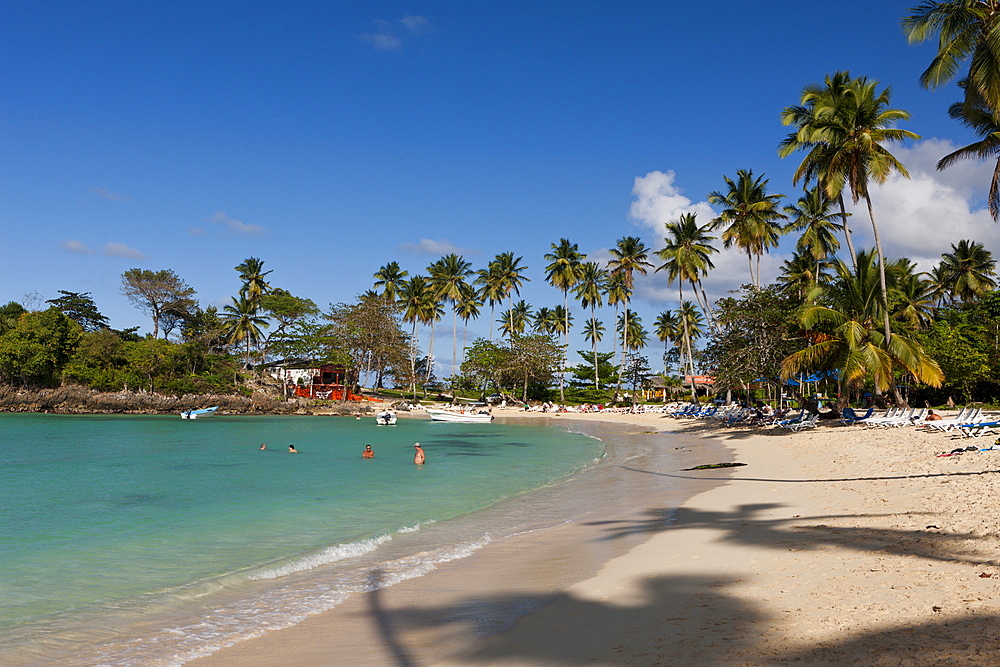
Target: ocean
131,540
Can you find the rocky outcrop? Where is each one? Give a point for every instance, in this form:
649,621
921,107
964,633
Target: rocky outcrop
80,400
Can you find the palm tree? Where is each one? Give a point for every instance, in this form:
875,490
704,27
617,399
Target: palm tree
617,294
812,216
448,276
687,255
253,276
966,32
515,319
542,321
800,274
415,300
750,216
390,278
691,326
593,331
667,328
846,132
243,325
492,289
913,300
842,325
969,269
975,115
468,308
631,324
628,257
510,273
563,273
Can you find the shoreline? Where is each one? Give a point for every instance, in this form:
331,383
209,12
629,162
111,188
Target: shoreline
448,610
832,546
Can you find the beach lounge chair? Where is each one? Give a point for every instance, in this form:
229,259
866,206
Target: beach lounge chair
809,422
964,418
978,429
851,417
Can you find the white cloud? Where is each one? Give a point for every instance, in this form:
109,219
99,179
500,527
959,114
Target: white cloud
431,247
382,41
390,36
115,249
111,196
78,247
236,226
921,217
658,201
415,24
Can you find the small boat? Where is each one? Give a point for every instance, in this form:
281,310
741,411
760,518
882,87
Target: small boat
195,414
385,418
465,417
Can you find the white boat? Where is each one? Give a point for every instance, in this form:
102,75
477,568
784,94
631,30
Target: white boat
385,418
466,417
196,414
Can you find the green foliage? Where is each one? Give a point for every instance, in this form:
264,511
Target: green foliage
33,352
80,307
959,351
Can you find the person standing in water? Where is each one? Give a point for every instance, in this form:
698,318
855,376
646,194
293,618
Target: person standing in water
263,447
418,456
292,450
368,453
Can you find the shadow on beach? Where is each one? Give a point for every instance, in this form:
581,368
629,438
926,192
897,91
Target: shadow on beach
689,620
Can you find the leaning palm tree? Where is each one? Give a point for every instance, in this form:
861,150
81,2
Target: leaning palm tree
691,325
846,133
510,273
628,257
842,325
812,216
975,115
970,270
593,331
390,278
967,33
617,294
563,273
750,216
243,325
448,276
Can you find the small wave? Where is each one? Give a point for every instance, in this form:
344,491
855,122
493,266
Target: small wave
325,557
415,527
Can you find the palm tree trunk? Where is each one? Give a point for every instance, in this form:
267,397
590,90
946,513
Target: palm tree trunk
430,355
493,316
562,371
881,273
753,280
413,359
708,308
454,350
593,344
687,337
847,233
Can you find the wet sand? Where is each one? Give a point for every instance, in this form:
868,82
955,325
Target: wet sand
839,545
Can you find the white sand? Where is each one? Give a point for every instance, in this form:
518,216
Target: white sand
839,545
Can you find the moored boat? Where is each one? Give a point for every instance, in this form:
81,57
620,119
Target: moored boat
198,414
453,416
385,418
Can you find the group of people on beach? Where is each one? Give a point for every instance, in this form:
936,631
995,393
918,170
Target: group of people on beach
418,456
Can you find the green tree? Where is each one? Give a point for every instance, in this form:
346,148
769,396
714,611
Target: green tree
390,278
846,126
812,215
563,272
80,307
34,351
243,325
628,257
750,216
593,332
448,277
416,299
254,279
969,270
152,292
667,329
515,319
841,324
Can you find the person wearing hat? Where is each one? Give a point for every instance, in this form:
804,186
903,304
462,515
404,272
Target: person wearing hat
418,456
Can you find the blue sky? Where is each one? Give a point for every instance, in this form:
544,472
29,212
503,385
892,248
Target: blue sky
328,138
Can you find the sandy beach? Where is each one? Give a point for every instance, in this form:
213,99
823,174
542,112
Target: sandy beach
838,545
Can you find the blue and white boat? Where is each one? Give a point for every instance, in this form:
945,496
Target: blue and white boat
196,414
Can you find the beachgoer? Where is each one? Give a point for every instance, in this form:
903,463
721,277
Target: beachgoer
931,417
263,446
292,450
368,453
418,456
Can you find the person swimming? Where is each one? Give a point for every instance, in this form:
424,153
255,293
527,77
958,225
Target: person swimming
292,450
262,446
368,453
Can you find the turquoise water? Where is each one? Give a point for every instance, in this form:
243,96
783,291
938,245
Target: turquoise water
126,522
